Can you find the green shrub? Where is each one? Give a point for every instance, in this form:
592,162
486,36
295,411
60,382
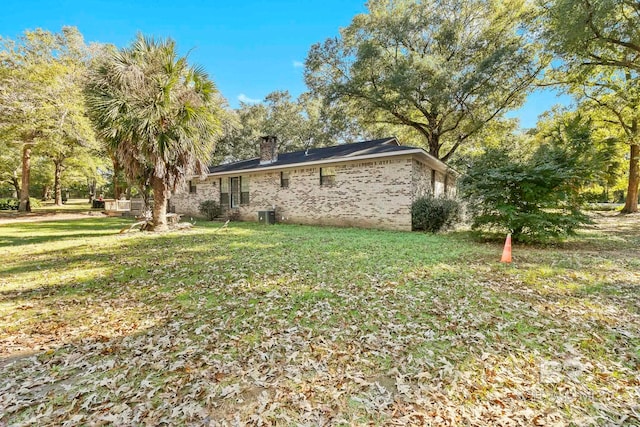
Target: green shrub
8,204
211,209
433,214
534,200
11,204
536,197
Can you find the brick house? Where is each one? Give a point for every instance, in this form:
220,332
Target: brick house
365,184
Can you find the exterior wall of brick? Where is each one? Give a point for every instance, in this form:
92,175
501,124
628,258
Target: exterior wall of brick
451,187
445,184
372,193
439,186
187,203
421,179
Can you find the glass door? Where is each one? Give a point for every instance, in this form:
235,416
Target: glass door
235,192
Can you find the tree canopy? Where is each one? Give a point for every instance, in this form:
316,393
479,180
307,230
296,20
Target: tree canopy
301,123
444,68
600,52
41,101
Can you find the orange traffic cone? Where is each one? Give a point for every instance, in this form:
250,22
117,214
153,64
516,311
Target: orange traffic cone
506,252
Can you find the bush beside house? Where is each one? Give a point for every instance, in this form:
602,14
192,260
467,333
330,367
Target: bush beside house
434,214
210,209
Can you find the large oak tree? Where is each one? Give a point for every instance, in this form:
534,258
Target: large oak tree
600,50
41,103
444,68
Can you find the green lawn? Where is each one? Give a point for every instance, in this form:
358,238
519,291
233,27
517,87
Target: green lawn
50,208
71,205
305,325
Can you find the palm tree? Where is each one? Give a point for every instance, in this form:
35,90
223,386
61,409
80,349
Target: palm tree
158,115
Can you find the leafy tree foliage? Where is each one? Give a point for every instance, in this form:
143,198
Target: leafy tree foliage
444,68
41,177
10,166
41,102
605,140
159,115
73,137
278,115
298,123
25,75
599,33
600,50
539,197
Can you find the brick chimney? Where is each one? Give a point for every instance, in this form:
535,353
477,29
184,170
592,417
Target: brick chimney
268,150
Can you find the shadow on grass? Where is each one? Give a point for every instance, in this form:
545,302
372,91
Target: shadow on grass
26,233
174,261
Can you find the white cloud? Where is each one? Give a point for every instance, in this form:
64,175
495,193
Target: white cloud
244,98
298,64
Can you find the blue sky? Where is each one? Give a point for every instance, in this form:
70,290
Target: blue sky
249,47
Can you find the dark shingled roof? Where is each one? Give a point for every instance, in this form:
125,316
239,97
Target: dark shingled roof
337,152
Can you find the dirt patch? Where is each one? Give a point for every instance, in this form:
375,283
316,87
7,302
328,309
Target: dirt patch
614,222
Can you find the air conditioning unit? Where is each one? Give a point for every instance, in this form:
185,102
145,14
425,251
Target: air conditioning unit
267,217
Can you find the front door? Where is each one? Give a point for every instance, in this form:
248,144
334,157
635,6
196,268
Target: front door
235,192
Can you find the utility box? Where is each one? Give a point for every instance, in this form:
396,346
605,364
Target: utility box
267,217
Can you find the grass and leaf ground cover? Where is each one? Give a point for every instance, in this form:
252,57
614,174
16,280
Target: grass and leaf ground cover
71,205
297,325
49,207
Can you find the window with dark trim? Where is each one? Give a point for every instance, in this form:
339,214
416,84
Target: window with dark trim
327,176
234,183
192,187
224,192
284,179
433,181
244,190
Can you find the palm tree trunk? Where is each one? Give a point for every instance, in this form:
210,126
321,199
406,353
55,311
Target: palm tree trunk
631,204
25,204
159,204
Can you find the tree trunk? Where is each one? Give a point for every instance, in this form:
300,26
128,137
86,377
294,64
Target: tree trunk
159,221
116,186
46,192
144,192
25,204
16,184
91,186
57,183
631,204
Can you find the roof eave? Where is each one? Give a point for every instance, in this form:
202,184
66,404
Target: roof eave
430,160
437,164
